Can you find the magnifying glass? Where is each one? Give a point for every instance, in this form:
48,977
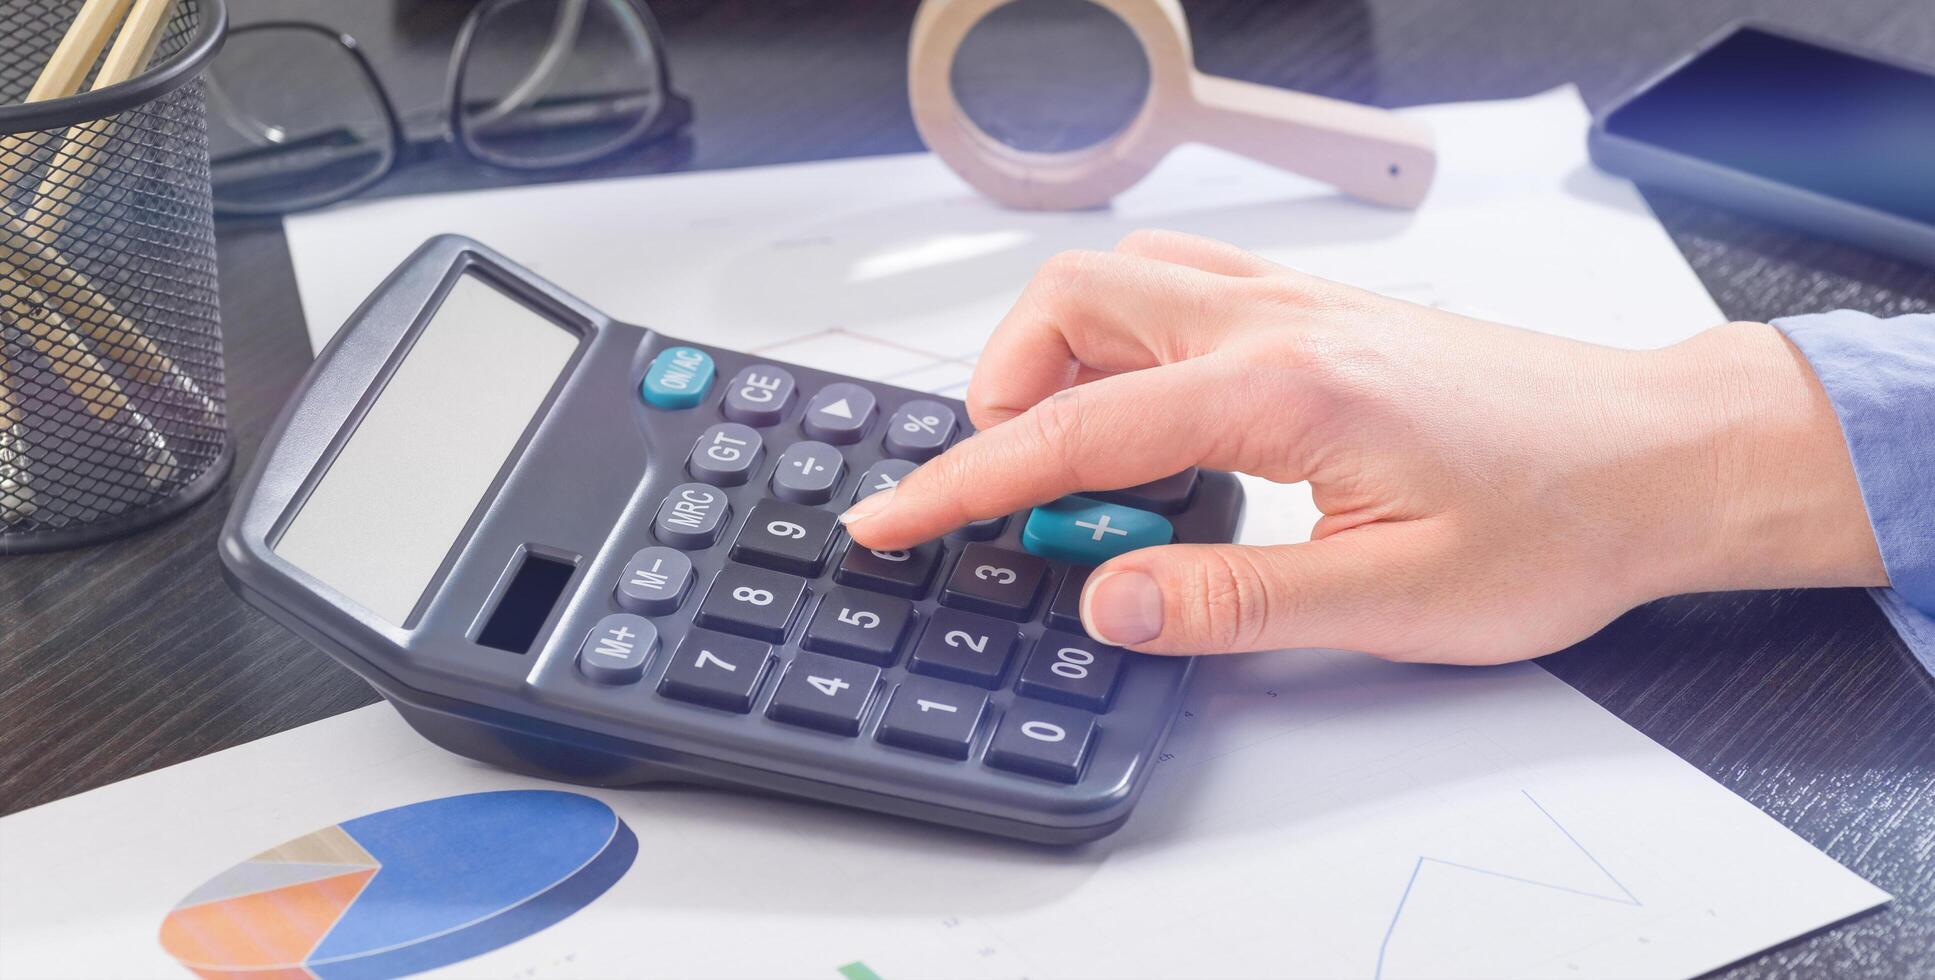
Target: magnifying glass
1369,153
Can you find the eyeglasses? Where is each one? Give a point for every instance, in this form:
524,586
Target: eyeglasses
298,119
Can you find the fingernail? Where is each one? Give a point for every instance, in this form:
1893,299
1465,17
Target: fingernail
1123,608
868,506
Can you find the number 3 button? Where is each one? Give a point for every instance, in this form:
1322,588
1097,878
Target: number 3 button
826,693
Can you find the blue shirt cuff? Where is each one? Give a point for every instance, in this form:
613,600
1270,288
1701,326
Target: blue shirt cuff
1879,375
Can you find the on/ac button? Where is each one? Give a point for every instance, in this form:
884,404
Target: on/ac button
679,377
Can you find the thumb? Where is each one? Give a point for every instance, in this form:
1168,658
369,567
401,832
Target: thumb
1358,590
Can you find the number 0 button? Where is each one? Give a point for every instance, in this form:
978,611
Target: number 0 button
1043,740
824,693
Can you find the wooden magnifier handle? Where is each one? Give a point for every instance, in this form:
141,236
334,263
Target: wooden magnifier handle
1370,153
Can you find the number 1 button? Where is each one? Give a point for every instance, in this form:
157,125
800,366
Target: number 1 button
824,693
933,717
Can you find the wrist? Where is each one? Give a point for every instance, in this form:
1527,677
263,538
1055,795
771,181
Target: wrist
1774,499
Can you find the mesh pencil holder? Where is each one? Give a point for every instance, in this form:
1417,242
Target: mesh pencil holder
111,401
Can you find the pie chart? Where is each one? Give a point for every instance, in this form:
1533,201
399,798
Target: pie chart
403,890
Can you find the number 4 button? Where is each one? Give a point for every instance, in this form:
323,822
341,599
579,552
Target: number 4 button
826,693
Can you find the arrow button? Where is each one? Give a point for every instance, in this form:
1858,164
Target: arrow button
839,414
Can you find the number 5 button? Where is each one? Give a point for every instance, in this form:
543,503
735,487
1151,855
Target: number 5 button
1073,670
1042,740
826,693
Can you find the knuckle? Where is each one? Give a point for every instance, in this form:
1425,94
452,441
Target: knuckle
1058,425
1143,240
1221,601
1066,271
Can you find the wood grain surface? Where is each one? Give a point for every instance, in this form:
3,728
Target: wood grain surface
120,659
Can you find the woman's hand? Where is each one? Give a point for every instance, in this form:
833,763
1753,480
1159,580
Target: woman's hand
1489,494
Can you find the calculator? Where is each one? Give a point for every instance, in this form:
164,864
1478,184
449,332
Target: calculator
582,549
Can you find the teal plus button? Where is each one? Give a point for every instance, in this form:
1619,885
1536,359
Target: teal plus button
1089,532
678,378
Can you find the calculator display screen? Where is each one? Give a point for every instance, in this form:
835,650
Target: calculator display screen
394,500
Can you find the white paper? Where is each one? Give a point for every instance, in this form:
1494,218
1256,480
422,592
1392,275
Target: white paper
1317,814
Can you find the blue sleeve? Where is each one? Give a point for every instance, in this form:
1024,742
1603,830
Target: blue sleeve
1880,376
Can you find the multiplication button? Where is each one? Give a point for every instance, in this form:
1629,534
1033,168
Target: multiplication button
933,716
1042,740
726,454
826,693
617,649
654,581
919,430
692,516
759,395
884,475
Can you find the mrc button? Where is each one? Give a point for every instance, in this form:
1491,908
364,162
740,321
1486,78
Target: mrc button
678,378
692,516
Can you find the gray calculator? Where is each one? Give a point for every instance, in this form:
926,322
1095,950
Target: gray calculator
585,550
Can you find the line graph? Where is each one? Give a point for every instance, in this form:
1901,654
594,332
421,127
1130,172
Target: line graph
1625,897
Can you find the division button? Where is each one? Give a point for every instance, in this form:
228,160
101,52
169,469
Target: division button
726,454
1042,740
839,413
1169,495
678,378
986,529
752,602
1081,531
759,395
618,648
884,475
964,647
654,581
1072,670
807,472
899,571
995,581
826,693
717,670
919,429
692,516
785,537
933,716
860,625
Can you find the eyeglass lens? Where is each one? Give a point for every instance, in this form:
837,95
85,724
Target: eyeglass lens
555,82
294,119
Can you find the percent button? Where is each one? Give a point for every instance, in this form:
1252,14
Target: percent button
919,430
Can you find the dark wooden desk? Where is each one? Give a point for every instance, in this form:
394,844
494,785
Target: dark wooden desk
132,656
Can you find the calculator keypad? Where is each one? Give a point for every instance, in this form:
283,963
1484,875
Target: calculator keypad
785,537
826,693
716,670
861,625
753,602
964,647
966,650
995,581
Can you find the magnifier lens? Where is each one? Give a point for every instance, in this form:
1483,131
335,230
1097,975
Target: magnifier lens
556,82
1050,75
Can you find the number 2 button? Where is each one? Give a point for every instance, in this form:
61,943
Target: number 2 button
826,693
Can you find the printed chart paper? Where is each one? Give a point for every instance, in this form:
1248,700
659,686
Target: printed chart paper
1316,814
